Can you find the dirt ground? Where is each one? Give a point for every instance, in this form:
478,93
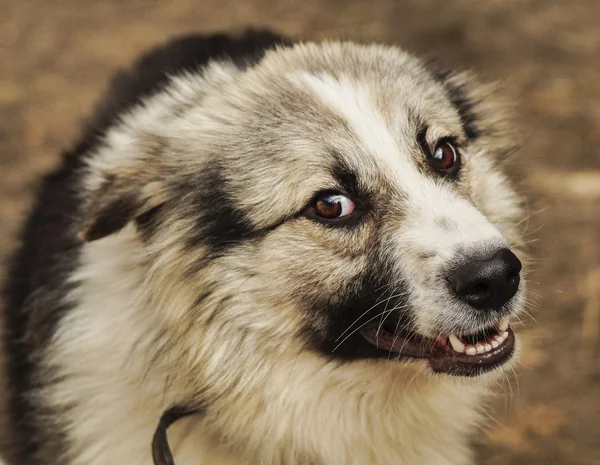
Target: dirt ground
56,57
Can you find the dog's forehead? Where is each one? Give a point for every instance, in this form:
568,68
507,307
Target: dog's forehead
370,100
358,109
289,126
396,84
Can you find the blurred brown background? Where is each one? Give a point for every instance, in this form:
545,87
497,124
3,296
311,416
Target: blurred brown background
56,57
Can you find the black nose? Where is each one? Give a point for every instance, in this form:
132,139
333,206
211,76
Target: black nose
487,284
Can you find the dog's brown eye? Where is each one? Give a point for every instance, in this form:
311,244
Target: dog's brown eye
331,206
445,158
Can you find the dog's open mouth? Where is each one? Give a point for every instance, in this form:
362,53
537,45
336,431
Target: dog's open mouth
464,355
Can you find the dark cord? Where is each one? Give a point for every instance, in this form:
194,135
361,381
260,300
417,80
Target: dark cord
161,452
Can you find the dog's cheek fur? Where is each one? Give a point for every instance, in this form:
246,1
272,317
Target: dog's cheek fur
497,198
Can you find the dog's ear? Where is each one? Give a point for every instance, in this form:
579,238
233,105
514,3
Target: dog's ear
116,202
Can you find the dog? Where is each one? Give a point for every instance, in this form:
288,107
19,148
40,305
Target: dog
294,253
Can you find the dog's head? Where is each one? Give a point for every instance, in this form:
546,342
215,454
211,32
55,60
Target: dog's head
343,200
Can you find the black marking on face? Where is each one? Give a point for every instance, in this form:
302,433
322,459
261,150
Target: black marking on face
375,297
347,178
423,164
464,106
220,224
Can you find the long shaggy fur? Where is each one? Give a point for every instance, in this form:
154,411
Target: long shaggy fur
169,261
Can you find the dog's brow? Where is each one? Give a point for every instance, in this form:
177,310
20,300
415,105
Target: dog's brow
345,176
463,104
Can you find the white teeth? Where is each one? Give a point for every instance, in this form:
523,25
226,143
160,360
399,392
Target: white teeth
481,347
456,344
503,324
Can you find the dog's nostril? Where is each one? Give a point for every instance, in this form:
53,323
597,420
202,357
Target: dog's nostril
489,283
478,288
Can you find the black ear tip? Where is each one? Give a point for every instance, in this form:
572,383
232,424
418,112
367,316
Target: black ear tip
108,216
102,226
91,233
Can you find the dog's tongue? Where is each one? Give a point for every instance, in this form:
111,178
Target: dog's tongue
413,345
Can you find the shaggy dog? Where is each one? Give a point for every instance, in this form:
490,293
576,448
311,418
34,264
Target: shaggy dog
306,250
